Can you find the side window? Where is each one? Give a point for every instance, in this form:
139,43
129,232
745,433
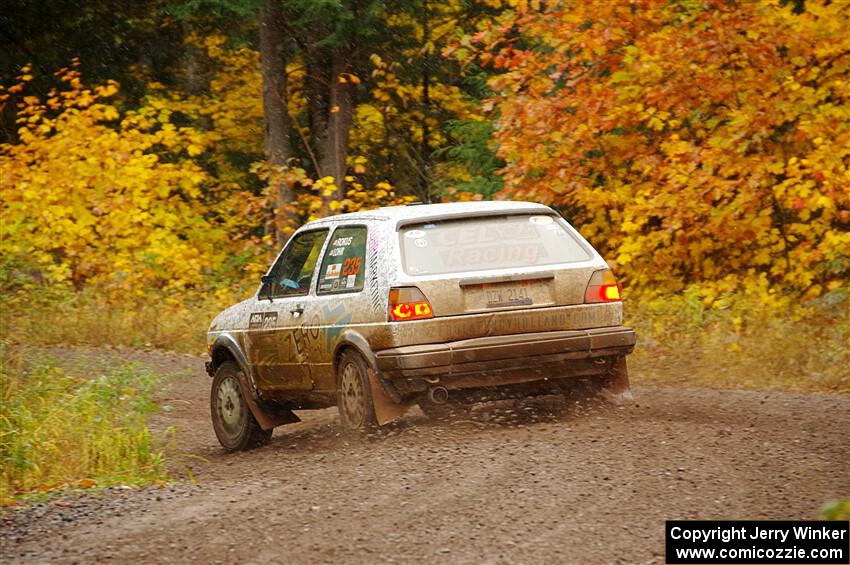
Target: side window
293,270
344,266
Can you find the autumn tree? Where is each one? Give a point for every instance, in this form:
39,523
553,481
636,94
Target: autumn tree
292,111
699,141
411,111
111,39
95,195
422,126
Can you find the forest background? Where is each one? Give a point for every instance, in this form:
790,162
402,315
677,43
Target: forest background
155,156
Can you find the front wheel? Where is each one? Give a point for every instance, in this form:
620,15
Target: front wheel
354,395
234,425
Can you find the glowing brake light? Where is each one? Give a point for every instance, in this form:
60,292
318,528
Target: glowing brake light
408,303
603,287
611,292
411,311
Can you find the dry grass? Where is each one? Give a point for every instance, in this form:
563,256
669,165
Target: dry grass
743,345
59,430
87,319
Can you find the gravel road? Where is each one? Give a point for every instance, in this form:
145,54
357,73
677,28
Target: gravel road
592,485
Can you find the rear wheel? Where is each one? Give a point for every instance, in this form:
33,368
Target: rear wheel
234,425
354,395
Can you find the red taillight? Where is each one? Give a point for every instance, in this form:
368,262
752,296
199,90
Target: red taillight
408,303
603,287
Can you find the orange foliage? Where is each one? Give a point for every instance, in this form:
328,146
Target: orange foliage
695,141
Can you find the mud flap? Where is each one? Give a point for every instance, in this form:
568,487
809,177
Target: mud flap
267,418
616,389
386,409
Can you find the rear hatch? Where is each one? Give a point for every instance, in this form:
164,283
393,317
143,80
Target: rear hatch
510,261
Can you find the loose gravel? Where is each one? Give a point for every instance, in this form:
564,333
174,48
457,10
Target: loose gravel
508,485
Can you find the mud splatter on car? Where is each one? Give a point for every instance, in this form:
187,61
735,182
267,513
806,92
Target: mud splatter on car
435,305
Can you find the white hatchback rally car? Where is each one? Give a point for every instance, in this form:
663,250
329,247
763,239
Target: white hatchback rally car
442,305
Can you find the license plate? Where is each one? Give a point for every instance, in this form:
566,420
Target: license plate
507,294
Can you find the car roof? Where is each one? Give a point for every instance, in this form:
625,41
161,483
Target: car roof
404,214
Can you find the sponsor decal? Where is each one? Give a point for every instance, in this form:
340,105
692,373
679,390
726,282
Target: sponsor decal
333,270
415,234
420,242
478,256
262,320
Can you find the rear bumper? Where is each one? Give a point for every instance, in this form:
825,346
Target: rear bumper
495,360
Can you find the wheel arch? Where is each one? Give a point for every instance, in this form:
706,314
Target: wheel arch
351,339
225,348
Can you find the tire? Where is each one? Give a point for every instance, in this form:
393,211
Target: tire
234,425
354,395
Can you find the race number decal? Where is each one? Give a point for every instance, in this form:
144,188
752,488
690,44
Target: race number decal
352,266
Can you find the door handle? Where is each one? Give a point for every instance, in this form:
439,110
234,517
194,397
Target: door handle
297,311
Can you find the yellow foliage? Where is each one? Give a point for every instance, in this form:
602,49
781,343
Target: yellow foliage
91,194
234,111
747,337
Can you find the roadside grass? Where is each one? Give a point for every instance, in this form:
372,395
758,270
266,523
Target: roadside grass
737,341
742,343
835,510
64,431
87,318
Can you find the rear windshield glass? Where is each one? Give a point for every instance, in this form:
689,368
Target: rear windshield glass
480,244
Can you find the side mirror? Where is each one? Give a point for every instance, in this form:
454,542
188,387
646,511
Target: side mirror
266,287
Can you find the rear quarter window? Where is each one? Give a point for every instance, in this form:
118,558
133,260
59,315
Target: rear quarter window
344,264
487,243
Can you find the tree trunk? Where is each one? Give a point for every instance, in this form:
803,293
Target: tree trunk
275,114
331,114
195,79
426,106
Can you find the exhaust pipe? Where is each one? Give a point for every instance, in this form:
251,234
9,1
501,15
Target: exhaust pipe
438,394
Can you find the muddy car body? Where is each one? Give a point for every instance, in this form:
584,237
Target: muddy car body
429,304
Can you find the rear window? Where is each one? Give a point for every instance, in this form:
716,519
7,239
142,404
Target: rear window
493,242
